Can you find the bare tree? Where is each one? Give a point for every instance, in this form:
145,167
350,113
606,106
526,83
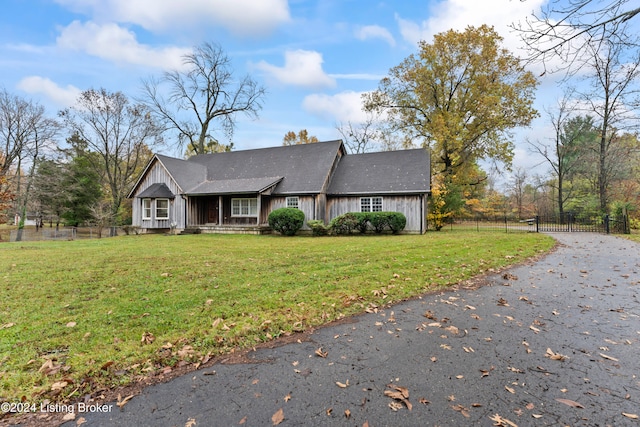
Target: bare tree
614,97
119,132
563,29
206,93
565,152
25,131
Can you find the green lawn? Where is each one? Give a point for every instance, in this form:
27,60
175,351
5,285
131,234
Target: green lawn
81,315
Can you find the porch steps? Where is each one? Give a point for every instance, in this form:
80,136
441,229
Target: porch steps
227,229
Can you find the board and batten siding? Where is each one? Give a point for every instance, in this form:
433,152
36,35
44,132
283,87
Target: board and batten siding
158,174
307,204
412,206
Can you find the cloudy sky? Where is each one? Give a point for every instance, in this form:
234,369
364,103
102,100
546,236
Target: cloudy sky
315,57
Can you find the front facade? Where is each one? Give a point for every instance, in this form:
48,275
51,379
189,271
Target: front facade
235,191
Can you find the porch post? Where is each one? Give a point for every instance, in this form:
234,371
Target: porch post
220,211
259,209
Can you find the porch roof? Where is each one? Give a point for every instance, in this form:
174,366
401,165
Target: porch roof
157,190
234,186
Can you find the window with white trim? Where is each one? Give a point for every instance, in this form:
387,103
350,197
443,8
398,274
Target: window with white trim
293,202
244,207
371,204
146,208
162,208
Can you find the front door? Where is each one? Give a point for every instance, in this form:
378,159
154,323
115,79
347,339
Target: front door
212,210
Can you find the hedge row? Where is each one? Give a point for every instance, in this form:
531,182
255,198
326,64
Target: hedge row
288,221
365,221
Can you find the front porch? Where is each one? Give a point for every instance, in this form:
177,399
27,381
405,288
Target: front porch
227,229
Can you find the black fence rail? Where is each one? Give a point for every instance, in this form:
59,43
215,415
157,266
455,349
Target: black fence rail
496,223
567,222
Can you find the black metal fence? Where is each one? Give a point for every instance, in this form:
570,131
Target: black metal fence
568,222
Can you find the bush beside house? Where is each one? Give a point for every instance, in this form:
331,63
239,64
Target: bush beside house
286,221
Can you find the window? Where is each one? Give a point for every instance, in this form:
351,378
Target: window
162,208
146,208
293,202
371,204
244,207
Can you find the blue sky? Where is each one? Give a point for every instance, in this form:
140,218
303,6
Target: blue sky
315,57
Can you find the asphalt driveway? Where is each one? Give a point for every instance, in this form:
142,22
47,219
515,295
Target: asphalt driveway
555,342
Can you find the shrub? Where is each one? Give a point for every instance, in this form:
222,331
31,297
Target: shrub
317,227
286,221
363,220
344,224
397,221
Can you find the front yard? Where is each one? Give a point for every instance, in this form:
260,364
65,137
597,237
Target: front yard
83,316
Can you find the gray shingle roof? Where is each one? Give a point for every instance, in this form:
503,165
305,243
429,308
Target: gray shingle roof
405,171
157,190
234,186
304,168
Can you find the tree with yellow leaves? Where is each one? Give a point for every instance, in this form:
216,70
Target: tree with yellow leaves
461,95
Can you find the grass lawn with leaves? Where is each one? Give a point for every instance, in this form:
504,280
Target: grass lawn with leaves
81,316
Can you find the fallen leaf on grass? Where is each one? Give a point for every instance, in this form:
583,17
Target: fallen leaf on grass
59,385
71,324
632,416
147,338
503,422
278,417
571,403
7,325
70,416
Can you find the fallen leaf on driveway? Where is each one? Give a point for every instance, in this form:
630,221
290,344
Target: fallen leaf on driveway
608,357
459,408
632,416
121,402
555,356
321,353
342,385
190,422
571,403
503,422
398,393
278,417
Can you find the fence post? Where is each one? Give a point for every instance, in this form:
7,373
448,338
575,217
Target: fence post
606,224
537,223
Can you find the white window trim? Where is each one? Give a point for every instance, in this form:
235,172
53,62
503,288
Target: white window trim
368,202
158,209
249,205
293,202
146,209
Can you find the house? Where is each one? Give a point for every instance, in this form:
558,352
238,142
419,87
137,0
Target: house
234,192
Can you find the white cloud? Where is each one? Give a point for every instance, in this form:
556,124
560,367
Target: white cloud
343,107
375,32
241,17
114,43
301,68
62,96
459,14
